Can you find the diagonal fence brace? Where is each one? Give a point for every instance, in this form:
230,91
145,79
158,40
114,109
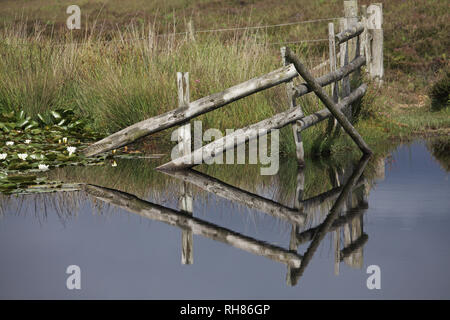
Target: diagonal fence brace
328,102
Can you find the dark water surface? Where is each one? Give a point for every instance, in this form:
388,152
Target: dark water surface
401,210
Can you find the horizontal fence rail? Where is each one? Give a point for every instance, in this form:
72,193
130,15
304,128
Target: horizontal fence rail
331,77
350,33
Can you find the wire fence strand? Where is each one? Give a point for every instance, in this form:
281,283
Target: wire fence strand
217,30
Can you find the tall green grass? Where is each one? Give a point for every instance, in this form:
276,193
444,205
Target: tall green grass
132,76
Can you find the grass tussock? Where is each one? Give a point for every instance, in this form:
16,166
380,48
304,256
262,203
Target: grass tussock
440,92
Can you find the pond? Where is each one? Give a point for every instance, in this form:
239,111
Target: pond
226,232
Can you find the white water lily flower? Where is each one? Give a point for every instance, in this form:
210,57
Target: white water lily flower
43,167
9,143
114,164
3,156
22,156
71,150
27,141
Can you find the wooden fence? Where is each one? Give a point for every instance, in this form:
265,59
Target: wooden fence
360,44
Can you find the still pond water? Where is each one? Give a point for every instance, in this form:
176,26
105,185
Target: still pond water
237,244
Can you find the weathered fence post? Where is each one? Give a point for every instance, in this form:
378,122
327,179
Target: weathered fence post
351,46
364,36
344,57
375,30
190,30
295,128
351,17
333,66
184,132
184,144
333,63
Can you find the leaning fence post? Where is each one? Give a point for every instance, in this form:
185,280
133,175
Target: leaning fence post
375,30
295,128
184,148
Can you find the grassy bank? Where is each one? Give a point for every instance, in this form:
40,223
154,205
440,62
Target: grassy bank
109,77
